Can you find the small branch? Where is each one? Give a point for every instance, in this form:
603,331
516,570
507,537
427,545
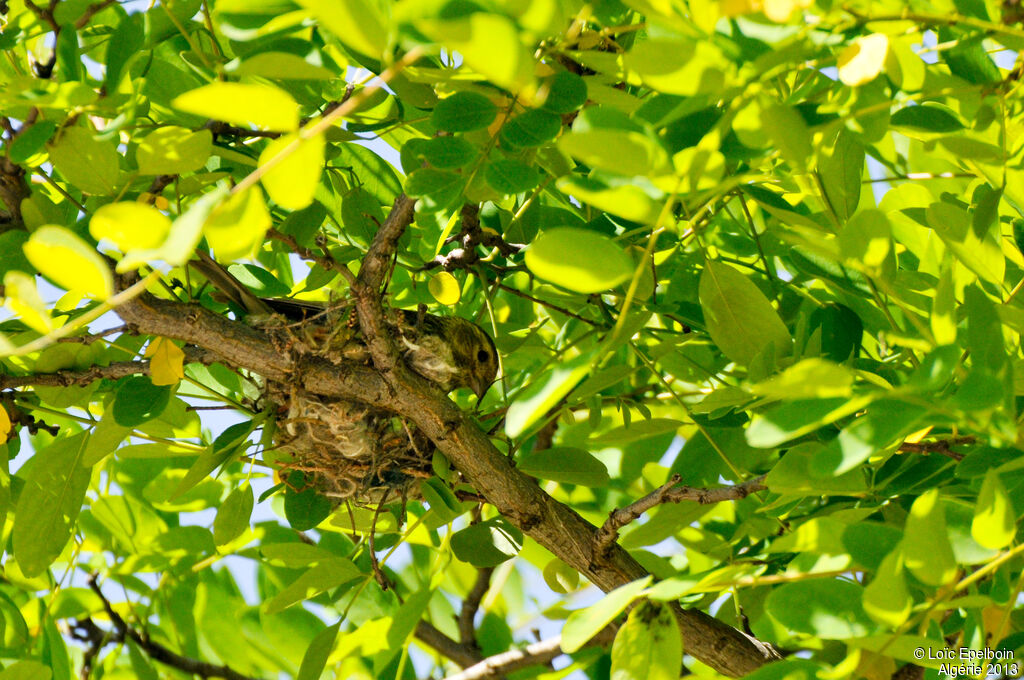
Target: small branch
940,446
670,493
549,305
532,655
470,606
93,337
114,371
155,650
91,11
325,260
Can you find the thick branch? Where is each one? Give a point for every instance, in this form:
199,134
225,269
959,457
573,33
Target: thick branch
463,655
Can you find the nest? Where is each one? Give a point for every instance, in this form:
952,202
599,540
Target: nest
348,451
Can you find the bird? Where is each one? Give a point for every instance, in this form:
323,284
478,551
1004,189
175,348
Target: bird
349,450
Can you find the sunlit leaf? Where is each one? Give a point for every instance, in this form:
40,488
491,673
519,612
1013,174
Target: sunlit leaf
262,106
70,262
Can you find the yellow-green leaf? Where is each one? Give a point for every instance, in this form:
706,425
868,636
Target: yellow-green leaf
293,180
173,150
584,624
489,44
445,288
624,152
862,61
626,200
808,379
166,362
264,106
22,298
69,261
995,522
130,225
357,23
282,66
739,317
927,551
648,646
85,162
236,226
581,260
886,599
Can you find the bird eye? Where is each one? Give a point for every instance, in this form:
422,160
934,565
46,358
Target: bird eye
483,356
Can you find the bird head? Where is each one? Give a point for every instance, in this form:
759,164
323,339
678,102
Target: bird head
473,353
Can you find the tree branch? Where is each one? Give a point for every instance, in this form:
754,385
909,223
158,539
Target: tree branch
670,493
532,655
155,650
391,385
463,655
470,606
112,372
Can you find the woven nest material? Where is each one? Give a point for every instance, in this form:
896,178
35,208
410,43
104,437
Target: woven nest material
347,451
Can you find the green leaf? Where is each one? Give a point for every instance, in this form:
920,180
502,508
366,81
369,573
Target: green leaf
31,140
623,152
85,162
739,317
441,499
681,67
980,253
315,659
22,297
70,262
359,24
797,418
446,153
173,150
509,176
26,670
488,543
490,45
233,515
581,260
886,599
533,128
263,106
437,189
648,646
584,624
926,548
329,572
293,180
282,66
808,379
560,577
237,226
841,169
531,404
793,474
138,400
886,423
631,202
304,506
650,427
787,129
463,112
49,503
995,521
185,234
839,331
926,118
825,608
563,93
130,225
566,465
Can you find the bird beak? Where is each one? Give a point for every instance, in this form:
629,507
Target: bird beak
479,387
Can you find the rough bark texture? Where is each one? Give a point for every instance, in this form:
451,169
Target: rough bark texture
390,384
